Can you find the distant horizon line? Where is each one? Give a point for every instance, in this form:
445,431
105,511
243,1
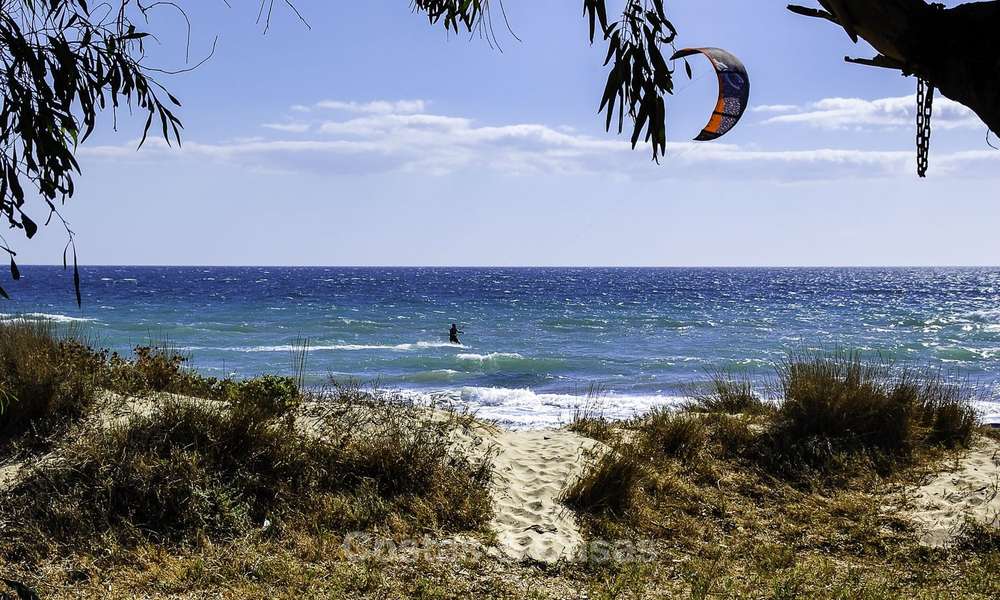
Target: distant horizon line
262,266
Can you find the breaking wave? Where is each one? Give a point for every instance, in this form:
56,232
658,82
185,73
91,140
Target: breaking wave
39,316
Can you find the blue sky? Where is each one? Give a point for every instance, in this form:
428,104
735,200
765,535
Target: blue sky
375,139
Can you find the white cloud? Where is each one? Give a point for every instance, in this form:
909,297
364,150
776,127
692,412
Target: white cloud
774,108
857,113
403,141
288,127
374,107
393,122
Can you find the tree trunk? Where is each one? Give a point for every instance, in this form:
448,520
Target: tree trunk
956,49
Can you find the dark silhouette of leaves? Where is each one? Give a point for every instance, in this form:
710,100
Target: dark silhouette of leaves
60,65
638,78
62,62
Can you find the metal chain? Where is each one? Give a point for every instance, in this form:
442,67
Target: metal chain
925,105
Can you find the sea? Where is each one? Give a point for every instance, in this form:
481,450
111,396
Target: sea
538,345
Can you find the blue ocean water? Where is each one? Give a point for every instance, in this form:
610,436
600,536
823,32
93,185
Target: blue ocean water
535,340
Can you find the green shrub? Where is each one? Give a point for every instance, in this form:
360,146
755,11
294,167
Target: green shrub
158,368
263,398
154,369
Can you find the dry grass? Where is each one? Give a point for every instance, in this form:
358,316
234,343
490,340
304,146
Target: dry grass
793,502
730,393
249,495
589,419
46,382
592,424
842,409
193,471
609,485
256,465
675,435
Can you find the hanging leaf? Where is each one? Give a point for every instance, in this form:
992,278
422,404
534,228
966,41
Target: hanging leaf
687,69
76,280
15,273
29,226
638,76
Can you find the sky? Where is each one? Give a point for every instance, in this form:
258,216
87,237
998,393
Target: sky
369,137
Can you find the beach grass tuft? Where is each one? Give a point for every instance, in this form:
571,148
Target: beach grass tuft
673,434
810,474
841,407
609,484
192,470
730,392
46,381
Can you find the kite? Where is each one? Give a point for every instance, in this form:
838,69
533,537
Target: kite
734,91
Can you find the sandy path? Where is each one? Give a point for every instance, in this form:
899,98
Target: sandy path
970,489
532,468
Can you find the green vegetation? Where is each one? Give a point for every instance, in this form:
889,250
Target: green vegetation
143,478
116,470
190,471
50,379
868,405
841,417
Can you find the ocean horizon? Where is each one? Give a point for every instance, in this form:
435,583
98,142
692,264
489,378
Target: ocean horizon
538,343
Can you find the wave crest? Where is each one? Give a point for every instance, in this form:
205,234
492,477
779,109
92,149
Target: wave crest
490,356
39,316
345,347
523,408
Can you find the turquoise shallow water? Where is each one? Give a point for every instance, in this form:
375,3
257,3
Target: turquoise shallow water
536,340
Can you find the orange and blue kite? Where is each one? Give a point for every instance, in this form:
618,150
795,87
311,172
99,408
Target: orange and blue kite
734,91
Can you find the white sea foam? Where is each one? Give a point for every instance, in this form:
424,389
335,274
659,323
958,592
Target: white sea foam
37,316
490,356
346,347
989,411
522,408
